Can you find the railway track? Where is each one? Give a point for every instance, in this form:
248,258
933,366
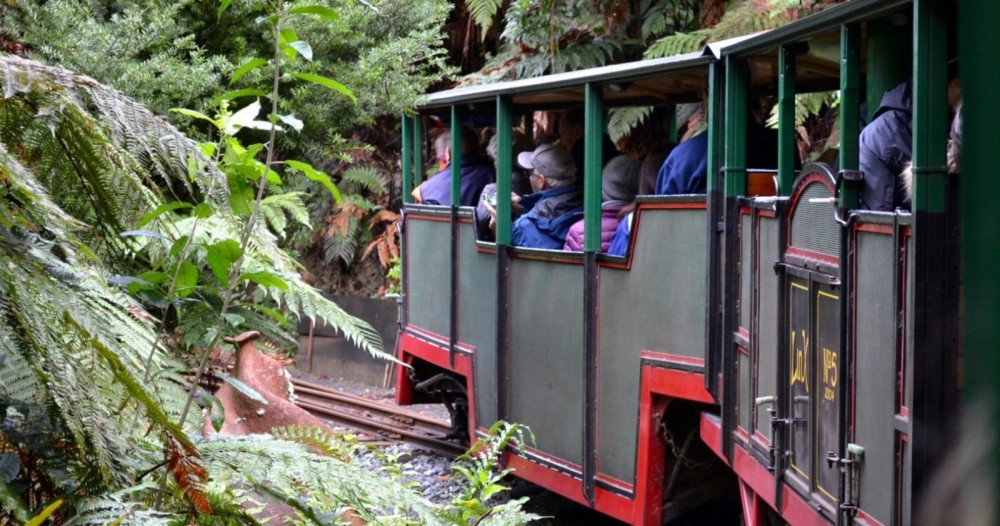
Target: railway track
380,422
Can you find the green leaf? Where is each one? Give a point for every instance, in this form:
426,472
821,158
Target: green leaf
235,94
303,48
154,277
221,256
178,245
317,176
326,82
246,68
274,313
187,279
250,392
288,35
266,279
162,209
196,115
203,210
48,511
216,411
223,5
322,12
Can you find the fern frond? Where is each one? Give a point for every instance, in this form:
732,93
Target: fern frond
274,207
621,121
483,12
677,44
367,177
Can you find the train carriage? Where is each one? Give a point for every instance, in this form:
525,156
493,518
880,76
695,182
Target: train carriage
807,346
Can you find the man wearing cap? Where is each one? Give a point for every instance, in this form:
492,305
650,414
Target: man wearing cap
556,203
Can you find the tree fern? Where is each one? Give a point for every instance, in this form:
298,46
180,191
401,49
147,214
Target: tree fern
483,12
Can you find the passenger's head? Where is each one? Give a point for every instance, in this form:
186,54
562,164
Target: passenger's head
551,167
571,127
442,145
620,179
519,143
442,148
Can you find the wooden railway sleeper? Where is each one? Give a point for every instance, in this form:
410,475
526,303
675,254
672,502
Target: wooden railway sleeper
851,465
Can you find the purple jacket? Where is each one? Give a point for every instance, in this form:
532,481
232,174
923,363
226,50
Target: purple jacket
609,222
477,172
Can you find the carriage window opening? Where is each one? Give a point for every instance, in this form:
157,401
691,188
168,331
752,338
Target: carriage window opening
885,146
477,172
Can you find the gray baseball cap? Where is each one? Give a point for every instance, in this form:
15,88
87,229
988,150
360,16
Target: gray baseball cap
550,160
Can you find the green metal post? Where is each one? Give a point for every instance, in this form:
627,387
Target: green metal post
456,157
591,169
930,116
786,120
887,42
504,167
850,93
418,150
980,258
737,78
407,157
713,113
672,124
935,306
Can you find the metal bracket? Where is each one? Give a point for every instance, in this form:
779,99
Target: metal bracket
851,464
776,423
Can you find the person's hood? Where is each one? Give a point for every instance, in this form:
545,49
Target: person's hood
899,98
557,201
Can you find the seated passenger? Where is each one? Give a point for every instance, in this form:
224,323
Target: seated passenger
954,153
885,149
520,183
556,203
619,184
686,169
885,146
477,172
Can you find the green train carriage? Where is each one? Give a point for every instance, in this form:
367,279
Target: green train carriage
811,346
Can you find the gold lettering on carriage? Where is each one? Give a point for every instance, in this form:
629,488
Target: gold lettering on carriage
800,362
830,374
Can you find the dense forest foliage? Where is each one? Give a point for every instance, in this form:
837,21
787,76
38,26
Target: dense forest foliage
165,167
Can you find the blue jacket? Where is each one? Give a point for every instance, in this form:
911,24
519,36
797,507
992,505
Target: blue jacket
547,217
884,150
477,172
686,169
619,241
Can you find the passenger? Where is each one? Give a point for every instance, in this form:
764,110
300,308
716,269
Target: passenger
885,149
885,146
685,171
520,183
571,130
477,172
619,184
647,186
556,203
954,153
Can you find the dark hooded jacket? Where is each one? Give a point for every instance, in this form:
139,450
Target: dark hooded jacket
885,149
547,217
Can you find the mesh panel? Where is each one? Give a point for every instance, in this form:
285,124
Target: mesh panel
875,370
904,512
477,273
746,242
547,354
813,226
767,332
428,280
657,305
744,390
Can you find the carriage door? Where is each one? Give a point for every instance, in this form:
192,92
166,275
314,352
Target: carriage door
812,338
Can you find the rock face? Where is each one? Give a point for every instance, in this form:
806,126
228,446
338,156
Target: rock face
246,416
